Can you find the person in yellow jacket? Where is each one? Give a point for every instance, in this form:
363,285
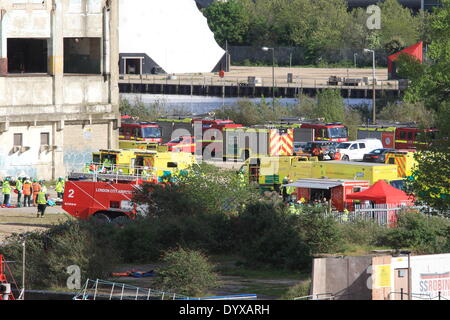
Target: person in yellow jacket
18,187
60,184
6,190
41,201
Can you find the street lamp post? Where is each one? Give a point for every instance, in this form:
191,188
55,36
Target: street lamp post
374,114
273,74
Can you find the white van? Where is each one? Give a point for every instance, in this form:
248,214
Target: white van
355,150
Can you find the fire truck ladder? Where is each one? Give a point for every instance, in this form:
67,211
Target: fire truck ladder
106,290
113,173
5,286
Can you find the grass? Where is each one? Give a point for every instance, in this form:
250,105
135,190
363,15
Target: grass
30,219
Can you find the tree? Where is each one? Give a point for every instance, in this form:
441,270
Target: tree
432,88
228,21
408,112
330,105
398,24
187,272
206,190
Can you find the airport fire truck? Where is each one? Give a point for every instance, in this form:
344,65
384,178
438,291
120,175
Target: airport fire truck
395,135
105,190
102,196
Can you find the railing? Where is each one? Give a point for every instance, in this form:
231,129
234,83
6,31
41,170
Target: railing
319,296
101,171
415,296
382,214
239,81
106,290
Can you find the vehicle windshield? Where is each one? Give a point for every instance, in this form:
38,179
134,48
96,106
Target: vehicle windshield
378,151
343,145
337,132
151,132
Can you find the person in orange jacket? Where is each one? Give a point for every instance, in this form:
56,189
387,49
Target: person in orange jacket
27,190
36,187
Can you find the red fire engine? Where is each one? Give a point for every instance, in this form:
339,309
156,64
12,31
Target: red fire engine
396,135
322,131
204,131
103,196
182,144
139,131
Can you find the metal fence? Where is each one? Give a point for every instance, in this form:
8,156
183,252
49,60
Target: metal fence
382,214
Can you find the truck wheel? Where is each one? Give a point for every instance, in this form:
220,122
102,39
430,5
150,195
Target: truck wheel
102,217
345,158
121,220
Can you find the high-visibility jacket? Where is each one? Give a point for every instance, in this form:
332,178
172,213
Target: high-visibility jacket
60,186
36,187
41,198
19,186
6,187
27,188
345,215
292,209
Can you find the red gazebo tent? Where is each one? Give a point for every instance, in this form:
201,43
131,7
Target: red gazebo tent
381,193
386,199
416,50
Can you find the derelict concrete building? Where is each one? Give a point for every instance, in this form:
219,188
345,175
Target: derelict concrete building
58,84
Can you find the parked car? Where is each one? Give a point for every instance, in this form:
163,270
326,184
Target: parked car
377,155
299,147
355,150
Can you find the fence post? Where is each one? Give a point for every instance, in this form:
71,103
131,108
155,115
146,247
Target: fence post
401,293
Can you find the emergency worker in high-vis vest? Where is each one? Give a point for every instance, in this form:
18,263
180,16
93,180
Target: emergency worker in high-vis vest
6,190
27,192
60,187
41,201
36,186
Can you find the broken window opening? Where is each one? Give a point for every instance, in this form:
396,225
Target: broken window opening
133,65
27,55
82,55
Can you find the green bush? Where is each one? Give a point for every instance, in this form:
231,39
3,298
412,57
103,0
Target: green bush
49,253
186,272
320,231
421,233
266,235
362,232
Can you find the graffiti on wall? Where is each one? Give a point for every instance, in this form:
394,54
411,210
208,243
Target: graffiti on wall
23,165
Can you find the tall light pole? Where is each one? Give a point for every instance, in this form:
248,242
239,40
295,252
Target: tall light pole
374,114
273,74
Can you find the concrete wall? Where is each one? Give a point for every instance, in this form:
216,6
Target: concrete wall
345,278
79,111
